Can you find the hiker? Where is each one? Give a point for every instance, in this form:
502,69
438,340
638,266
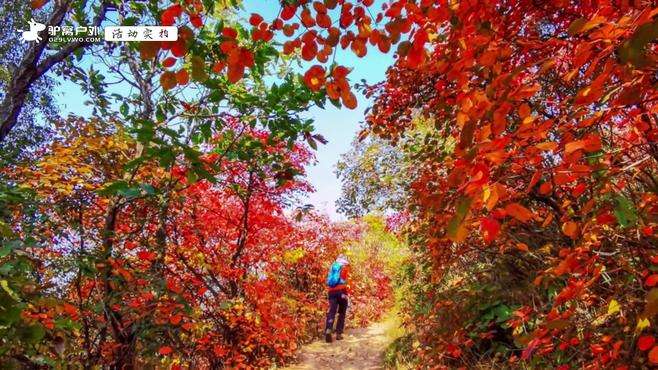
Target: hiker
337,294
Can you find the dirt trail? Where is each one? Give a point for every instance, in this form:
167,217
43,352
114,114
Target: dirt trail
360,349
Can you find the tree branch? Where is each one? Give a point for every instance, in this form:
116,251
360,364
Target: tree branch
30,69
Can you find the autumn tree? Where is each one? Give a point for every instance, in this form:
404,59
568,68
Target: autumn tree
540,184
371,178
173,124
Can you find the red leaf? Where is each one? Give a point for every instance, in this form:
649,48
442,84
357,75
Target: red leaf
288,12
169,62
255,19
196,20
179,49
167,18
652,280
645,342
176,319
235,72
229,32
146,255
165,350
490,227
182,77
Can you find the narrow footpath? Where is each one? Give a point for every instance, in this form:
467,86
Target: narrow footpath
361,349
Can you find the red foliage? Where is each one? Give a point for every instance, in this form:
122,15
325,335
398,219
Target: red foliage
540,157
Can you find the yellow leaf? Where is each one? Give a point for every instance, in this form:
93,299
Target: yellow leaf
486,193
613,307
5,285
491,197
642,323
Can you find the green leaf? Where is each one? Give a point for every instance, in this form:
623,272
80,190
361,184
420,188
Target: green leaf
148,189
114,188
10,314
124,109
130,192
463,206
66,323
4,229
34,334
5,250
625,211
6,268
5,286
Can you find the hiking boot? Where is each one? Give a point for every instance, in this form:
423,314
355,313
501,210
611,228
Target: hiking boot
328,338
339,336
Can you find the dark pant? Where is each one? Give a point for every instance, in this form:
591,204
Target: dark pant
337,302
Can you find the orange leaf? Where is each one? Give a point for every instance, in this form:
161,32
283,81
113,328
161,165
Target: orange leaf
547,220
519,212
70,309
496,157
182,77
148,49
547,145
168,80
570,229
37,4
653,355
460,234
534,180
524,110
462,118
573,146
522,247
349,100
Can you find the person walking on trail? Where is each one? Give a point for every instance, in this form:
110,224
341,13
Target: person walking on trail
337,294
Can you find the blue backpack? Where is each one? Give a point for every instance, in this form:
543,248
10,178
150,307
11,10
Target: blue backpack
333,278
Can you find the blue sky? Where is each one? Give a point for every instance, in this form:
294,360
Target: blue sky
338,126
